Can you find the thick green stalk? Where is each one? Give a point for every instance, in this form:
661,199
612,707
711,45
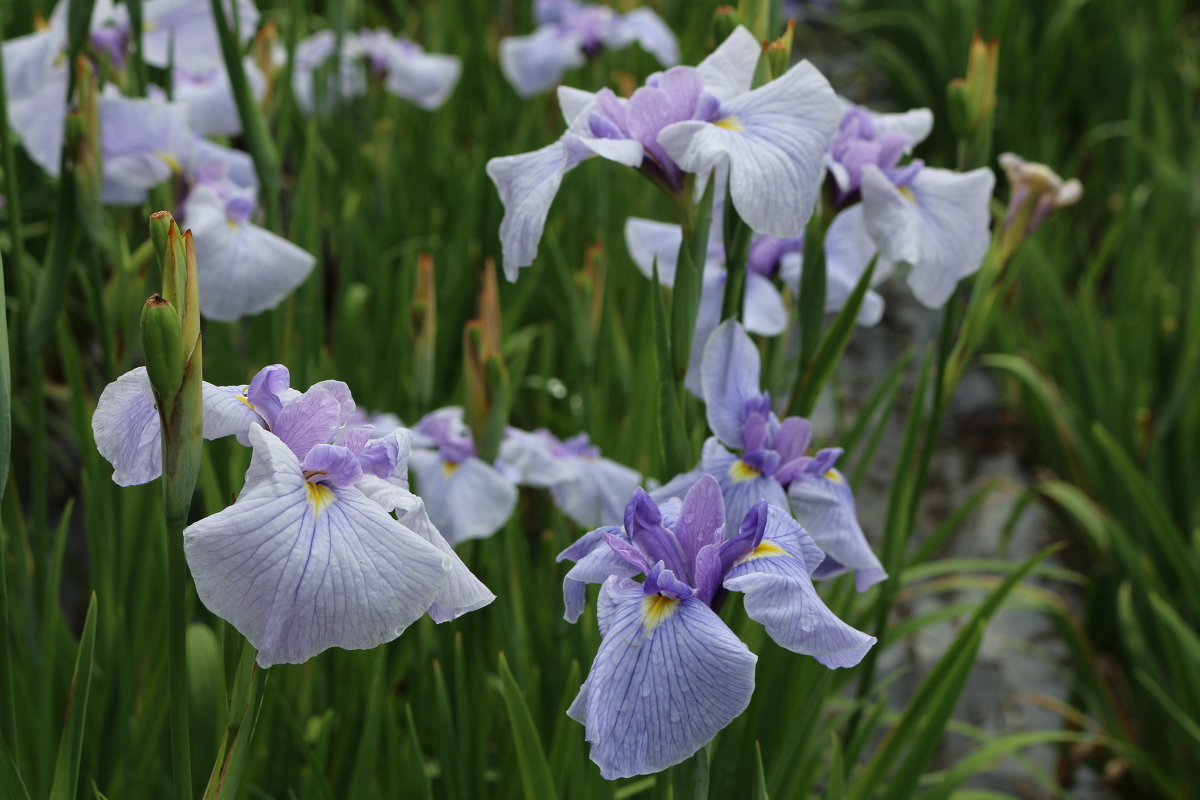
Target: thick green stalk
690,779
737,250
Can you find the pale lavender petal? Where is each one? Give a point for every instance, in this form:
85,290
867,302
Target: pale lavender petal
534,63
652,34
307,421
781,596
955,230
648,241
243,269
426,79
848,252
341,393
730,378
668,677
741,485
184,32
227,411
824,505
353,439
764,311
891,219
298,568
465,500
596,492
708,316
39,116
729,70
530,458
234,165
127,431
332,465
144,141
677,487
775,139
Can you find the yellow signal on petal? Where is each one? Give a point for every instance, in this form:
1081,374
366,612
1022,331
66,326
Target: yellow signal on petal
740,471
907,194
657,608
766,549
836,477
449,468
319,495
730,123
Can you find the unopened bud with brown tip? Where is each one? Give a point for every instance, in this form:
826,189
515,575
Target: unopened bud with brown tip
162,344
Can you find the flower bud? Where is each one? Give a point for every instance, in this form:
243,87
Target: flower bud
725,22
755,15
163,345
160,224
189,311
972,102
424,323
1036,192
779,52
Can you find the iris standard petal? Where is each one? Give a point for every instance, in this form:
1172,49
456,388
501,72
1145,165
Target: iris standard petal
775,139
298,568
243,269
780,595
701,520
426,79
127,431
648,241
311,419
730,376
742,486
824,505
667,678
533,64
466,500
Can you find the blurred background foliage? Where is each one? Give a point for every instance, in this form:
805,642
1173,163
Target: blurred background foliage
1097,343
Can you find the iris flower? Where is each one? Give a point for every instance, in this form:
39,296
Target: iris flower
669,673
466,497
183,33
685,120
773,465
144,142
591,490
305,559
571,32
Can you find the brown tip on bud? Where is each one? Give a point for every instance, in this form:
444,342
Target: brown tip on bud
156,299
157,215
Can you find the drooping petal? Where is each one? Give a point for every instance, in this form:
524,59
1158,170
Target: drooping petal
668,676
533,64
764,311
227,412
595,491
729,70
730,378
465,500
332,465
775,139
741,485
528,455
127,431
426,79
780,594
39,117
648,241
527,184
649,30
824,505
243,269
298,568
462,592
595,562
144,142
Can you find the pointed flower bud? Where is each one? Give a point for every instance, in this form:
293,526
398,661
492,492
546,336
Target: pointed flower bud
160,224
424,322
755,15
1036,191
779,52
725,22
162,343
972,103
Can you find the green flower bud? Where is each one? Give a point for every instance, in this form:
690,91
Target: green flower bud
755,15
160,225
779,52
725,22
163,345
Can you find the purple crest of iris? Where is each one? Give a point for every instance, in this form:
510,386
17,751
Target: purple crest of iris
466,497
308,557
569,33
669,673
859,141
773,465
588,488
687,120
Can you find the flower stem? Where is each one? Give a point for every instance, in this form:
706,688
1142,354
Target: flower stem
690,779
177,653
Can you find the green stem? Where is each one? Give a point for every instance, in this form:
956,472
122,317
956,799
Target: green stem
177,654
690,779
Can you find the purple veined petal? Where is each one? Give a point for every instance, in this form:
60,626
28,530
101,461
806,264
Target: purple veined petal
648,241
36,80
916,124
298,568
741,485
955,230
730,377
462,592
331,465
465,500
596,492
673,98
127,431
309,420
792,438
353,439
775,139
701,521
529,456
595,562
677,487
764,311
527,184
243,269
668,676
533,64
341,393
891,219
824,505
227,412
652,34
426,79
188,27
729,70
386,458
780,594
269,390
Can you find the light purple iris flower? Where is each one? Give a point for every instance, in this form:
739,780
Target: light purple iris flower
589,489
126,426
669,673
208,97
934,220
407,71
685,120
309,557
144,142
571,32
773,465
183,33
466,497
243,269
